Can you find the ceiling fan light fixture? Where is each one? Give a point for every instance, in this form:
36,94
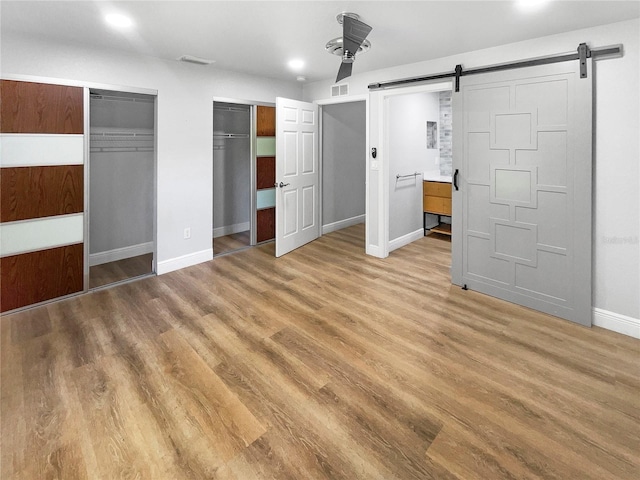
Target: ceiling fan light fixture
335,47
352,42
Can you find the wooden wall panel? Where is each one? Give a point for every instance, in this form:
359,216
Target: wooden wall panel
266,224
266,172
35,192
38,276
266,121
29,107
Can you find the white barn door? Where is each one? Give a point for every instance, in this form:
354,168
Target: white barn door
522,214
297,178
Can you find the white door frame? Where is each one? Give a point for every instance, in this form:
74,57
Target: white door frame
333,101
380,169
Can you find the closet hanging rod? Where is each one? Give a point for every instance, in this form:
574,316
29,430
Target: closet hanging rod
231,135
411,175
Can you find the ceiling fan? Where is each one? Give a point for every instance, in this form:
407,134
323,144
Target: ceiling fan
353,41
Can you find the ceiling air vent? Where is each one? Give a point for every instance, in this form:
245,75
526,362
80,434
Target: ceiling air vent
340,90
196,60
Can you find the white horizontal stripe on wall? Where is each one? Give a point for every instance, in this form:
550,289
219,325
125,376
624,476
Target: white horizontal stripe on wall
30,150
40,233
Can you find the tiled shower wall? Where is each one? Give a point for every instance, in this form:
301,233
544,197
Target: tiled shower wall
446,140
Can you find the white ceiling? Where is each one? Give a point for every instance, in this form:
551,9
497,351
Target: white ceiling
260,37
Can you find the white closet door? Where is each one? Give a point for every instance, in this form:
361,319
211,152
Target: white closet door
522,216
297,177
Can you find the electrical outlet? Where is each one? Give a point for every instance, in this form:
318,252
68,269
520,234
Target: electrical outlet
187,233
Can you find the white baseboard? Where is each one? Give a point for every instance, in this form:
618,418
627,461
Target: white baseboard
348,222
616,322
405,239
120,253
231,229
184,261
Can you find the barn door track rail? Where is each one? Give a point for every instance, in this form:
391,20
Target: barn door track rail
582,53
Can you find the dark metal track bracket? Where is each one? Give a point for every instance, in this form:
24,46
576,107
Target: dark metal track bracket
583,52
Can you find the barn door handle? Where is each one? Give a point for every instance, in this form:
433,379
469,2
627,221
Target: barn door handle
455,179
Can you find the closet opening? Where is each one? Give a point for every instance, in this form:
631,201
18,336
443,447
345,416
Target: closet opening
121,187
344,167
232,174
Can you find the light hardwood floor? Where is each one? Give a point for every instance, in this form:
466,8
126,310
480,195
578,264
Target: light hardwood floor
324,363
230,243
112,272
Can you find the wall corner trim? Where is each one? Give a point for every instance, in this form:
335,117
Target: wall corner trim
184,261
616,322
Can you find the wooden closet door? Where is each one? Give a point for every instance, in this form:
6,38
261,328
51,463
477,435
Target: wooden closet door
42,200
266,173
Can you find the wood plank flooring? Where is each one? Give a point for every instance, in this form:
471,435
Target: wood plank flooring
323,364
232,242
112,272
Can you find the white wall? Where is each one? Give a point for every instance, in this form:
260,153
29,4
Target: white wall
616,255
185,122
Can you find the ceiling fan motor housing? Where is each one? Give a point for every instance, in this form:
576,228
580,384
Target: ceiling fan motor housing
353,41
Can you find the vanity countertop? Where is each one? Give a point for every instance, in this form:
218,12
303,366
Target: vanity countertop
435,177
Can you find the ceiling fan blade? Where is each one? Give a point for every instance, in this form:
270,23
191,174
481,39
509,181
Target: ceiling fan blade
354,33
345,71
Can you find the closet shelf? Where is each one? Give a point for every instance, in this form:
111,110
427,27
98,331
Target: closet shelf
106,139
126,98
231,109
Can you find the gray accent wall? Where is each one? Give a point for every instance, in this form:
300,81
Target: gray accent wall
344,160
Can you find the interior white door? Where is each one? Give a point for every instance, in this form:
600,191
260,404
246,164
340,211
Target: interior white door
297,178
522,214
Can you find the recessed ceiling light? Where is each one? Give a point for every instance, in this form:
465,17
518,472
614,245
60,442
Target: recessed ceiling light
529,5
296,64
118,20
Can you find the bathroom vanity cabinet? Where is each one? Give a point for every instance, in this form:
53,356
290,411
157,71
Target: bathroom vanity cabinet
436,200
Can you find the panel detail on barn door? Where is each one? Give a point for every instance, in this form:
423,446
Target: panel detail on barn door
522,145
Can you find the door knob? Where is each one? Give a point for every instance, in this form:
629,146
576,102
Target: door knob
281,184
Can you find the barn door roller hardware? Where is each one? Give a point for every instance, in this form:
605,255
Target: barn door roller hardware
583,52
